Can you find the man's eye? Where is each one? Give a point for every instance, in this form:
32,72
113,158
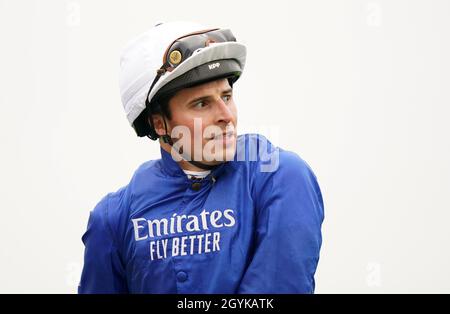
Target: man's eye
226,98
200,104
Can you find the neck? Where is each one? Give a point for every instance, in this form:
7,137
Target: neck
185,165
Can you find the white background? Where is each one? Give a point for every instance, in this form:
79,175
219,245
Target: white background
359,89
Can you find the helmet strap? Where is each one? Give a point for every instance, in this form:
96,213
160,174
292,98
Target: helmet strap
168,140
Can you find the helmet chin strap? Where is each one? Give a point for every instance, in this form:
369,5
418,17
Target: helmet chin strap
168,140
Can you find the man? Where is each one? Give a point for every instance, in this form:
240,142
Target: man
218,213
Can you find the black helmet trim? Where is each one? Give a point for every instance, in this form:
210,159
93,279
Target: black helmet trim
210,71
214,70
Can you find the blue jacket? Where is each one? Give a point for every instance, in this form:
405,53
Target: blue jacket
250,226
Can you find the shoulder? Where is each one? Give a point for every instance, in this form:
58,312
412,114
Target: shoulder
292,165
107,215
268,158
112,211
278,172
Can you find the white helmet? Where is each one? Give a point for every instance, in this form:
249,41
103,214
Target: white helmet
171,56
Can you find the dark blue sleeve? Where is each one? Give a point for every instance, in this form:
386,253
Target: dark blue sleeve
103,271
288,230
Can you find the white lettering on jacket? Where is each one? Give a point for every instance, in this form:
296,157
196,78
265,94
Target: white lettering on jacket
197,243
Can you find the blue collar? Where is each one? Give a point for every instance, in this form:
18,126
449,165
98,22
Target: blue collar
172,168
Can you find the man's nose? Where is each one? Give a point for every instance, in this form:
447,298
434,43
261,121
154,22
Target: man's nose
223,112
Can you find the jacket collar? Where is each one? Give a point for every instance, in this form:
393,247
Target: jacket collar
172,168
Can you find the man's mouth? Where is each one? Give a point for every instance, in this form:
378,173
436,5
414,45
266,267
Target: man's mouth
224,135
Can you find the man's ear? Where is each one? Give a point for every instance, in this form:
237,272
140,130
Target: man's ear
158,124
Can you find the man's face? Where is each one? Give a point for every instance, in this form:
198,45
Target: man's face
200,117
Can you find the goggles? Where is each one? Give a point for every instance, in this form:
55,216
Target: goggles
183,47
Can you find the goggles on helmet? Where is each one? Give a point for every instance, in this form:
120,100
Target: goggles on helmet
183,47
